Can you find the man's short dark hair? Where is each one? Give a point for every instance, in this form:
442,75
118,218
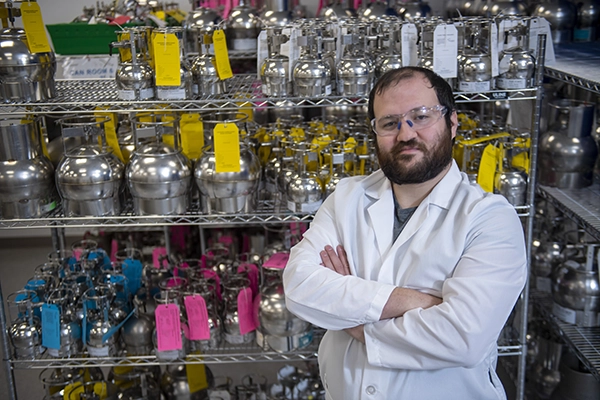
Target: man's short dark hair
395,76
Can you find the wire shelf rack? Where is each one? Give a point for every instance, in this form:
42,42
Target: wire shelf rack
90,95
580,205
584,342
266,212
224,354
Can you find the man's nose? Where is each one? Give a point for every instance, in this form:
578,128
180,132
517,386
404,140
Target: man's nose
405,130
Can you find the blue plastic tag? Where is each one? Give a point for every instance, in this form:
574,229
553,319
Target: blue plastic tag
50,326
132,269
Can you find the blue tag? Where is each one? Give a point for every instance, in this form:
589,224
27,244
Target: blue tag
50,326
132,269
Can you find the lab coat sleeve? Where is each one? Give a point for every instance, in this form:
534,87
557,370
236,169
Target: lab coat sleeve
477,301
324,297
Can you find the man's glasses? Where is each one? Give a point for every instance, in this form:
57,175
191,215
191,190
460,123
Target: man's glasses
417,118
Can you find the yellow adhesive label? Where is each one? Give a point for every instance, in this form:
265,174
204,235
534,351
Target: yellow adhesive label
487,168
221,55
37,40
192,135
227,148
297,133
110,132
166,59
196,376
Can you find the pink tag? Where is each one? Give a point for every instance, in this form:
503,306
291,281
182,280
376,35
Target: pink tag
77,254
210,274
245,311
197,314
168,327
277,260
173,282
226,240
252,271
114,247
159,257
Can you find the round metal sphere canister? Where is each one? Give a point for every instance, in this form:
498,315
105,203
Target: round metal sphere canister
89,177
26,176
159,175
568,151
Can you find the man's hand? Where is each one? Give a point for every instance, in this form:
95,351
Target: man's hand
337,262
358,333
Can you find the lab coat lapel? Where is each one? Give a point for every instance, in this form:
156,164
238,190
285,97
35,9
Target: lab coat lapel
381,214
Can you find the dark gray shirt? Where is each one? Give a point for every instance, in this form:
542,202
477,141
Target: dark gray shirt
401,217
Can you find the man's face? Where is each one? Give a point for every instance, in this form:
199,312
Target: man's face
413,155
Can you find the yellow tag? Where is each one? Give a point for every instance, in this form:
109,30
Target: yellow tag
487,168
196,376
73,391
484,139
221,55
166,59
192,135
177,15
110,132
349,147
37,40
521,161
124,53
159,14
101,390
227,148
297,133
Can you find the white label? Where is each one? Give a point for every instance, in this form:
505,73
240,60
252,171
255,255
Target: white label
195,89
511,83
168,355
243,44
146,94
539,26
311,207
564,314
53,352
234,339
409,44
327,90
126,94
338,158
494,48
170,94
445,51
474,86
543,284
291,206
88,67
293,50
98,351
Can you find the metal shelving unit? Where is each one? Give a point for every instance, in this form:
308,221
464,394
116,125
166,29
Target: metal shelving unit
576,64
89,96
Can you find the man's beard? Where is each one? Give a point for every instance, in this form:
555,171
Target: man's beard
394,164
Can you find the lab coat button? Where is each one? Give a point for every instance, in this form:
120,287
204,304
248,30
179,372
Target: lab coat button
371,390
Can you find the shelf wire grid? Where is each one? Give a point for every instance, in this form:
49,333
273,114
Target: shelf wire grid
580,205
89,95
584,342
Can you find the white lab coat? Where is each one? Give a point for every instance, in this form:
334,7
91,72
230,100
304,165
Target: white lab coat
461,244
